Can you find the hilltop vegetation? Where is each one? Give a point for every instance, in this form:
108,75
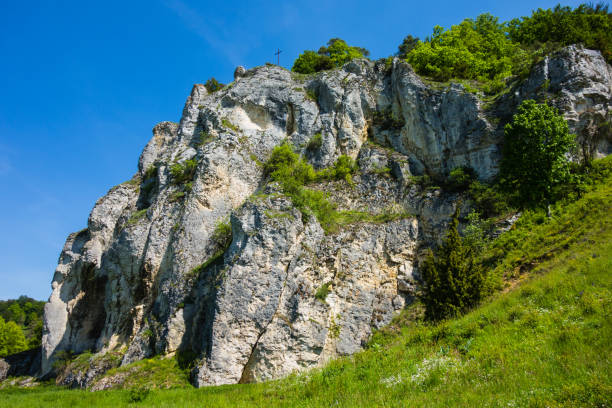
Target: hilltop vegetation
484,49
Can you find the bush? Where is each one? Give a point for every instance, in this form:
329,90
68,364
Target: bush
460,178
453,280
222,235
322,292
488,199
183,172
315,143
310,62
293,173
336,54
534,161
343,169
150,173
212,85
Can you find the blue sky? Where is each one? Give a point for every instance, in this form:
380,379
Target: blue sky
82,84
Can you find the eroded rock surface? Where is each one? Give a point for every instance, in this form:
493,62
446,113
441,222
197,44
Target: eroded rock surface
148,274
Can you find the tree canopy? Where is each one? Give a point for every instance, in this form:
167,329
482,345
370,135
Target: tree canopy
474,49
587,24
534,160
335,54
12,339
485,49
23,315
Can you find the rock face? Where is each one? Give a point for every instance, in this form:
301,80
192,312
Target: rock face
150,275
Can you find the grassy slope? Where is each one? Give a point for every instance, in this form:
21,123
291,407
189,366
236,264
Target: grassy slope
545,341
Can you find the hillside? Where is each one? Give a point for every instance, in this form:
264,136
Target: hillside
545,340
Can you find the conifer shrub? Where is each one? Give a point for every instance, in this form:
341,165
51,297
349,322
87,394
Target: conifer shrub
453,279
212,85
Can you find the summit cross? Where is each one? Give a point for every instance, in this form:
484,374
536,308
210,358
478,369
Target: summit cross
277,53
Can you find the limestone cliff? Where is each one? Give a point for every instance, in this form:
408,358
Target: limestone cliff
149,274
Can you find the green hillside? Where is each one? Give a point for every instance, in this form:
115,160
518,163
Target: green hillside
545,340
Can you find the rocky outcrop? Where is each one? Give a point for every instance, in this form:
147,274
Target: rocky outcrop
150,275
25,363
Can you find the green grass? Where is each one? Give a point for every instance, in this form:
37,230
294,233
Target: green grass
544,341
226,123
137,216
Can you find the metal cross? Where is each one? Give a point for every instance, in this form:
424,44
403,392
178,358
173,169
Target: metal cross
277,53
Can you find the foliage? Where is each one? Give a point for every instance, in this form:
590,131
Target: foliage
293,173
587,24
340,52
323,291
137,216
139,394
488,199
183,172
310,62
212,85
408,44
453,279
222,235
12,339
27,314
387,120
474,49
315,142
475,232
150,173
343,169
534,160
336,54
204,139
226,123
460,178
176,196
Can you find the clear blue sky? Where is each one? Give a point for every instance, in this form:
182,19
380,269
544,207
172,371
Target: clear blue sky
82,84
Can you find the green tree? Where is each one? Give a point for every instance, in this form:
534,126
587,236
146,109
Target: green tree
534,161
587,24
212,85
406,46
16,314
12,339
335,54
340,52
453,280
474,49
310,62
